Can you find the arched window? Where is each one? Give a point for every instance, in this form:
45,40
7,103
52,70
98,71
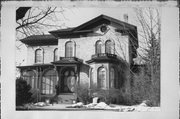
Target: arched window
56,54
109,47
30,77
49,81
69,49
39,56
98,47
92,78
101,77
112,77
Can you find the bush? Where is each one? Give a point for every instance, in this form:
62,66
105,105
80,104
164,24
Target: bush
83,94
23,94
146,89
35,95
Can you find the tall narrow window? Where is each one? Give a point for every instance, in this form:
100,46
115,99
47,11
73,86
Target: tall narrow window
112,77
30,77
56,54
69,49
98,47
49,82
101,77
109,47
38,56
92,78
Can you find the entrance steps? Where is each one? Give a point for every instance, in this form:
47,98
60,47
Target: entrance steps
67,98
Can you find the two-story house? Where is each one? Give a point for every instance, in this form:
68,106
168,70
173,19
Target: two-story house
96,54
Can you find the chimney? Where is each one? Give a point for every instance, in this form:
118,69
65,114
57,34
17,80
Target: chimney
125,17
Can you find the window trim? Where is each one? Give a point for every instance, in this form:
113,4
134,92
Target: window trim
110,76
73,48
96,47
101,85
111,46
42,55
56,49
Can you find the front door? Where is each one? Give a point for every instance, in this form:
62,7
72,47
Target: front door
68,81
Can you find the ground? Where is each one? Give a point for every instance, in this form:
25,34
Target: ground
99,107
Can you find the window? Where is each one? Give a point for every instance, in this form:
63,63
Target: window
101,77
69,49
49,81
112,77
98,47
109,47
92,78
30,76
38,56
56,54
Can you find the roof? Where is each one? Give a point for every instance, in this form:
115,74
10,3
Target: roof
87,26
104,57
105,19
81,30
35,65
34,40
68,60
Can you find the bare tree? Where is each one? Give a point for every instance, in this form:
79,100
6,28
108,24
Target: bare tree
36,20
147,84
149,32
149,20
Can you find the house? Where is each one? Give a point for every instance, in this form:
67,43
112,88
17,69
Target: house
97,54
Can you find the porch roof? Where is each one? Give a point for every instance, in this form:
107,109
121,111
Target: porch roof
34,40
68,60
35,65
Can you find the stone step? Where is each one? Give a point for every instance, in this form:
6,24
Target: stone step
66,98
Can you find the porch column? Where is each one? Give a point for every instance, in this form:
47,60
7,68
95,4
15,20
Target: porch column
59,75
76,68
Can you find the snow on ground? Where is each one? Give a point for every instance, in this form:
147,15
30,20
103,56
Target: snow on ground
121,108
92,106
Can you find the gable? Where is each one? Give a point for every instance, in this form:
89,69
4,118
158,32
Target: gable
103,19
88,26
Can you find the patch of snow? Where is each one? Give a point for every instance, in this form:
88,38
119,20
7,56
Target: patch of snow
101,105
91,105
143,104
41,104
77,105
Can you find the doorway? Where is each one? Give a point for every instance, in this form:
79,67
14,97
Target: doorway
68,80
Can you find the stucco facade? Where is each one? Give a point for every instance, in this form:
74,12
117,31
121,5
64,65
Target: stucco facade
97,54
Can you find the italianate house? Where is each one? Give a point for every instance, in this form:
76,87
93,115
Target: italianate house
95,55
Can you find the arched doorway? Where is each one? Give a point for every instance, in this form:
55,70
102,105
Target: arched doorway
68,80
